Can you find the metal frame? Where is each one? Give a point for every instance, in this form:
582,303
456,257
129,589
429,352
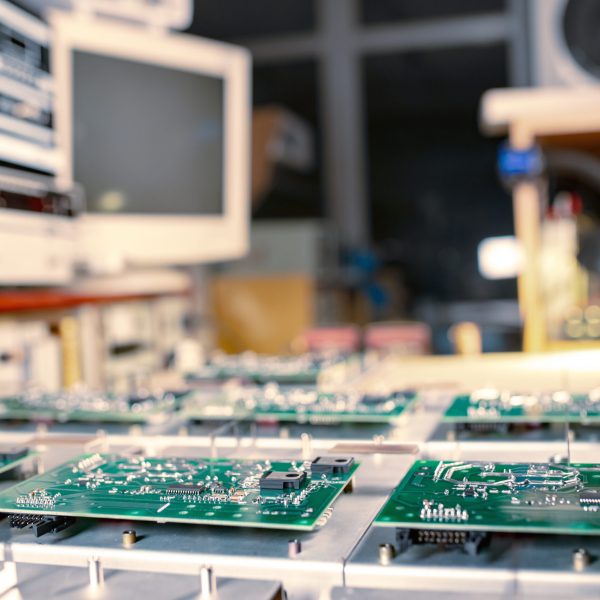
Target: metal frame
343,555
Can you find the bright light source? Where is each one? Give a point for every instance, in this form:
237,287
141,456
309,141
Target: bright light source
500,257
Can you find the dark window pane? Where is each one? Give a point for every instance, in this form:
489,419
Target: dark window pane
231,19
293,86
433,187
380,11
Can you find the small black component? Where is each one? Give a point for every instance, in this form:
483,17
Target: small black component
482,428
469,541
40,524
186,489
331,465
11,454
282,480
590,497
134,400
374,399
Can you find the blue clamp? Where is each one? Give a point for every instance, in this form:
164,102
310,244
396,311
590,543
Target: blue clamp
519,164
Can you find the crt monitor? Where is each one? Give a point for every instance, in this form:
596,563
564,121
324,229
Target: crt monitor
155,126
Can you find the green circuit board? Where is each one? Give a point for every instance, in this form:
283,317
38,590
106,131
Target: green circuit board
11,458
487,496
302,369
87,407
494,406
281,495
300,405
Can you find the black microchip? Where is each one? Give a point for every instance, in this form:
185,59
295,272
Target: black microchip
590,497
330,465
183,489
282,480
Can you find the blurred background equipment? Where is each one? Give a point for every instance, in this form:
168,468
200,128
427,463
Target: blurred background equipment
556,289
165,14
564,42
235,239
26,91
181,132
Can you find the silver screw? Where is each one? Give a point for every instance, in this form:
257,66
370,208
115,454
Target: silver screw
387,553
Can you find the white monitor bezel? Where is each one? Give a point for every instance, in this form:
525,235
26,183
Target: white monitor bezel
111,242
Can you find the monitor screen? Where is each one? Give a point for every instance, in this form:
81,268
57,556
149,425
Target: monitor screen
147,139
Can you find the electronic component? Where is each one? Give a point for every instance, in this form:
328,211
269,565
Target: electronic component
301,405
331,465
26,119
278,494
40,524
490,406
282,480
451,498
88,406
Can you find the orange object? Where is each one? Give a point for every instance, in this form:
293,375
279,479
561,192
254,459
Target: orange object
262,314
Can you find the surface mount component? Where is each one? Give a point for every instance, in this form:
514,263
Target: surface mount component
492,406
280,495
300,405
449,498
87,406
331,465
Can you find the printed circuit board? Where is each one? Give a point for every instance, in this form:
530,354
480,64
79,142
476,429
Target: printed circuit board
283,494
488,496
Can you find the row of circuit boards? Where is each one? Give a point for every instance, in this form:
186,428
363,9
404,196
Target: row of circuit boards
88,406
245,493
300,405
270,402
496,406
436,501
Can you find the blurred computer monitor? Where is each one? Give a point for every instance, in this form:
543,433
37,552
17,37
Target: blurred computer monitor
155,126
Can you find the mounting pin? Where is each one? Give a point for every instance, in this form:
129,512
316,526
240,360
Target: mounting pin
387,553
208,584
96,573
294,548
581,559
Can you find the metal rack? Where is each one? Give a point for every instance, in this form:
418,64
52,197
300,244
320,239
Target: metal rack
340,560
